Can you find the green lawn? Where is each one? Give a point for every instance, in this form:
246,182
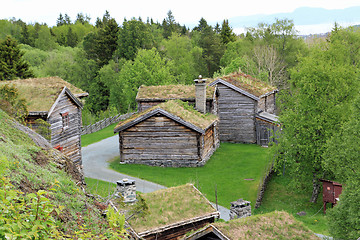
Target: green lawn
227,170
99,187
91,138
280,196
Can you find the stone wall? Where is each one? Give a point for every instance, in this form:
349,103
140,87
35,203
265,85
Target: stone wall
263,185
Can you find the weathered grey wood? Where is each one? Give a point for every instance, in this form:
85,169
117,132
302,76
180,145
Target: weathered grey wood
236,113
68,138
161,141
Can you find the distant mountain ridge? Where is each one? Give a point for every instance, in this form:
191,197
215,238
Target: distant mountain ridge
301,16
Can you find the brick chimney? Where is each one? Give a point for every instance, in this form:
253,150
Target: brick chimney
200,94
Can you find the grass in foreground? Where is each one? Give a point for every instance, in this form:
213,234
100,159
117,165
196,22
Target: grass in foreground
100,187
91,138
280,196
226,170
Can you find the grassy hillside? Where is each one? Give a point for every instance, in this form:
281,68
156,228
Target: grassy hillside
41,192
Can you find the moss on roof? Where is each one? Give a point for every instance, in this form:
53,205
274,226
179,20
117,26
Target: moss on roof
172,205
273,225
180,109
248,83
167,92
41,93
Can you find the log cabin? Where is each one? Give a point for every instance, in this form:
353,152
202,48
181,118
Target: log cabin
57,102
238,99
171,134
173,212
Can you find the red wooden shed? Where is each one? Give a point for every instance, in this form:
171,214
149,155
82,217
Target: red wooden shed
331,192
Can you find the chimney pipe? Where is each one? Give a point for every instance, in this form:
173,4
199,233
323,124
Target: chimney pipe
200,94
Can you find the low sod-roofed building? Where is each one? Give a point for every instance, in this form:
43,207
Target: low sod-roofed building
173,212
56,102
149,96
273,225
170,134
238,98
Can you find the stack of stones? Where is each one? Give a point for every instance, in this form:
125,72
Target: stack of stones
240,209
127,189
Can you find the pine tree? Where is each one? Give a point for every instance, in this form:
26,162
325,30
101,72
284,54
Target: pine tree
71,38
12,66
226,33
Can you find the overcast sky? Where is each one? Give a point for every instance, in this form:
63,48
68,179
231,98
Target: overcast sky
186,12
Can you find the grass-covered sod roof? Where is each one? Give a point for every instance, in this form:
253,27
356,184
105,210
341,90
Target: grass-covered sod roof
248,83
180,109
273,225
172,205
41,93
167,92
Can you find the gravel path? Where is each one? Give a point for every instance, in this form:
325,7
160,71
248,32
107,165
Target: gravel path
95,159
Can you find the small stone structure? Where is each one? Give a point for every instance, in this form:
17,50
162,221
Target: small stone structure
240,209
127,189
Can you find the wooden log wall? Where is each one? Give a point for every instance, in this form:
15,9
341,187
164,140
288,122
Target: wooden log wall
268,103
159,141
264,132
68,138
237,116
180,231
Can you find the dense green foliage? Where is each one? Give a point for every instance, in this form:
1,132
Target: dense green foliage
92,57
319,137
342,157
12,64
12,103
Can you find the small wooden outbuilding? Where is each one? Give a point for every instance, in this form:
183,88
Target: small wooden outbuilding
331,192
171,134
266,125
56,102
239,97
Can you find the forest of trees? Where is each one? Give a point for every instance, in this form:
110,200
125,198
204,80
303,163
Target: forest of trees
319,81
111,61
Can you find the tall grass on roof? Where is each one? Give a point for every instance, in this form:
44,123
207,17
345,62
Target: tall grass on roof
274,225
180,109
171,205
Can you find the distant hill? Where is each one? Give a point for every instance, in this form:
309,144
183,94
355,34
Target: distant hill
302,16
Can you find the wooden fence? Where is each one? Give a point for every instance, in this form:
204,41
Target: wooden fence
104,123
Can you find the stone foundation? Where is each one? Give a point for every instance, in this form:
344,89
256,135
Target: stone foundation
240,209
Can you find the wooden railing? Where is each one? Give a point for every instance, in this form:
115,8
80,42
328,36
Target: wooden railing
104,123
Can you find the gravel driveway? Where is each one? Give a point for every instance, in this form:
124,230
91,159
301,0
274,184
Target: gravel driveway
95,159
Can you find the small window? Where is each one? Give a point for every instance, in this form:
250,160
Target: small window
65,119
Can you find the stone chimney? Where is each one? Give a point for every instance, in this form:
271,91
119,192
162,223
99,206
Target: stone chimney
127,189
200,94
240,209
